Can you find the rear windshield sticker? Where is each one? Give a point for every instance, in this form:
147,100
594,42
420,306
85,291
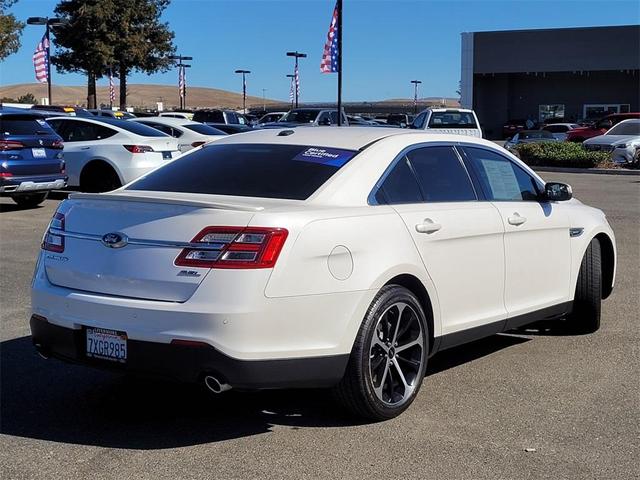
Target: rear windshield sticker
325,156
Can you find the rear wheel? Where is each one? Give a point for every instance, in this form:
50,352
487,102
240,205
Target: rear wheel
585,317
30,200
389,357
99,177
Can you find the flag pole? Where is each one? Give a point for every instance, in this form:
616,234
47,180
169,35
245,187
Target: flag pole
339,7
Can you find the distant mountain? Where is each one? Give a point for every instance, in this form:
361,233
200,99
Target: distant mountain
138,95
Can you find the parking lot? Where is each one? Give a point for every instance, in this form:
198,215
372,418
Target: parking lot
528,404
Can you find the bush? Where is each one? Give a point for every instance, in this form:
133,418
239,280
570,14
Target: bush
561,154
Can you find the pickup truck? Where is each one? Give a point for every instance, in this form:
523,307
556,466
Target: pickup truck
459,121
599,128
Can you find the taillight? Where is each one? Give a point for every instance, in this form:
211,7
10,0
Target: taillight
6,174
234,247
57,144
197,144
63,167
138,148
53,241
10,145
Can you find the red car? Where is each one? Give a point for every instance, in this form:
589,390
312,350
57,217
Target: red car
599,128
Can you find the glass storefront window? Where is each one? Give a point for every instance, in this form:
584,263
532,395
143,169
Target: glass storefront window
546,112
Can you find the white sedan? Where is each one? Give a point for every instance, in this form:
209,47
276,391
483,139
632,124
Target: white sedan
190,134
622,141
332,257
104,154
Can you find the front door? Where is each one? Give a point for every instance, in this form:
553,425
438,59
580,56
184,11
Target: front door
536,238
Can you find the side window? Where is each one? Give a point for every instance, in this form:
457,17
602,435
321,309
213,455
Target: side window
419,121
324,117
100,132
334,118
441,175
501,179
400,186
58,127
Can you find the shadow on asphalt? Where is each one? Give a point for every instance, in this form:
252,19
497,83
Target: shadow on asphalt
14,207
54,401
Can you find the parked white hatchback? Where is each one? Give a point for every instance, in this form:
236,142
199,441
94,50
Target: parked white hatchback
190,134
104,154
334,257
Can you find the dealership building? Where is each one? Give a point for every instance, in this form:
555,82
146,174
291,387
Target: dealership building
570,73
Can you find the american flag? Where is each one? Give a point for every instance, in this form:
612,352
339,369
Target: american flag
181,81
291,91
330,55
41,59
112,88
296,74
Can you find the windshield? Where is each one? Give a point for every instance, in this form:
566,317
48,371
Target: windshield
249,170
535,134
631,128
300,116
452,119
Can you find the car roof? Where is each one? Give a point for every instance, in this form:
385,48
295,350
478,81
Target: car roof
348,138
629,120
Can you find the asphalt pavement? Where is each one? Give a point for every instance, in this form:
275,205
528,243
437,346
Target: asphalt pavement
531,404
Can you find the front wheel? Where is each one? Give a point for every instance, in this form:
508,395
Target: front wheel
585,317
30,200
389,357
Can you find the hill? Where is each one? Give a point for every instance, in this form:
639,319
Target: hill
138,95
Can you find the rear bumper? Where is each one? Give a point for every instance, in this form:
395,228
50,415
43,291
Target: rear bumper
191,363
28,184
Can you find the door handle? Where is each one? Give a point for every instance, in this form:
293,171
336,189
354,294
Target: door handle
428,226
516,219
85,148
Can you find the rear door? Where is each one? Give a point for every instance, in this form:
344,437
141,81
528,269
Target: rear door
536,239
459,238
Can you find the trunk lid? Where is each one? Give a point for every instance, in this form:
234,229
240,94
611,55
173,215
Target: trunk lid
154,227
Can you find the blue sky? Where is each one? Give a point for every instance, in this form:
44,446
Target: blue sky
386,43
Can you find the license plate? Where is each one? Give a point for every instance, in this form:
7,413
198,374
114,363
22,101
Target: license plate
166,155
107,344
38,152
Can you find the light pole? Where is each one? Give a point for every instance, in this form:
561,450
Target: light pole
264,102
182,78
244,89
48,22
415,95
296,75
292,87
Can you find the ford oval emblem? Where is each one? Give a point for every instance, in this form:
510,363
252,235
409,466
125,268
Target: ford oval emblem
115,240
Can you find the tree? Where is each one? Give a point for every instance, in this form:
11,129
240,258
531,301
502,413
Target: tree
126,35
142,42
10,30
27,98
83,41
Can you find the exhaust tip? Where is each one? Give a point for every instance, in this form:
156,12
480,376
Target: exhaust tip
215,385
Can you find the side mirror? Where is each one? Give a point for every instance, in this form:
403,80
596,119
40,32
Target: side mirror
557,192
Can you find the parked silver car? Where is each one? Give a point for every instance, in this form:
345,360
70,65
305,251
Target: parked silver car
622,140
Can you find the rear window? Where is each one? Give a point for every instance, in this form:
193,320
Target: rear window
134,127
528,135
452,120
24,125
213,117
203,129
273,171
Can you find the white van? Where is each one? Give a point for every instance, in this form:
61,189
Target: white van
459,121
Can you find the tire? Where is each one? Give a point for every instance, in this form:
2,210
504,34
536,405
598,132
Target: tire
30,200
585,317
372,387
99,178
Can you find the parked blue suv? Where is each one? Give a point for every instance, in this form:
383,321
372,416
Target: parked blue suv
31,162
